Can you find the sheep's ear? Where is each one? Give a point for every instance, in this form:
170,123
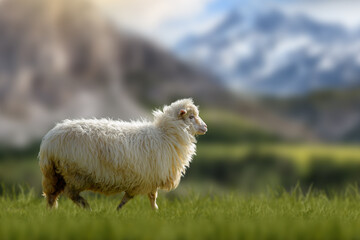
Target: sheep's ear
182,112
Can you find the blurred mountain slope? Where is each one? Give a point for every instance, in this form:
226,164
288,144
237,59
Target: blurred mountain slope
155,76
58,59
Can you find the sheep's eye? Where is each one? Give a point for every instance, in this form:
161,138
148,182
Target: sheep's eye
191,117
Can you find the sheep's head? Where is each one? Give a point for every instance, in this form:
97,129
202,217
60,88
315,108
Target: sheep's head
185,111
189,113
190,116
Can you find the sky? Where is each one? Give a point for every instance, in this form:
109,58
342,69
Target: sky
168,21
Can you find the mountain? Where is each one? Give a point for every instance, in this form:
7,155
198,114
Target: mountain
272,53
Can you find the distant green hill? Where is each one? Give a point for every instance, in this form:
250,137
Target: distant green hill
228,127
334,115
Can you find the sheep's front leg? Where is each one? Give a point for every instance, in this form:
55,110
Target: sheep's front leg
124,200
152,197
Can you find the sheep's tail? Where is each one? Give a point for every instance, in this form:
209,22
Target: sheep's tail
52,182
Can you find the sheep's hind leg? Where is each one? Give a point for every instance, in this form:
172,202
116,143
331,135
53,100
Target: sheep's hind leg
124,200
152,197
76,198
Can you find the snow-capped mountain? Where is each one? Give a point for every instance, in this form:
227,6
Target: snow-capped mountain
274,53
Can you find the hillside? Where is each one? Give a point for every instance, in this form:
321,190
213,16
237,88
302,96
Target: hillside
333,114
52,67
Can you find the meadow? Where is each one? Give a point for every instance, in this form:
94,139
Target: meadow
272,215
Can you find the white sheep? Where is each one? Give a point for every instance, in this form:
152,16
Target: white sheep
108,156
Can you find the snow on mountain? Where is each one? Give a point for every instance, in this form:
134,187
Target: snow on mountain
273,53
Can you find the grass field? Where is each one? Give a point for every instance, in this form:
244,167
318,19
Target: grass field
276,215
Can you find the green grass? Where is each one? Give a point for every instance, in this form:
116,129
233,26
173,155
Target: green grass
230,216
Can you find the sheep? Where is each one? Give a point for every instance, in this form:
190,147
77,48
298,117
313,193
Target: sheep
108,156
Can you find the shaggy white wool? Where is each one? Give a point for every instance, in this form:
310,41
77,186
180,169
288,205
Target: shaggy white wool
113,156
